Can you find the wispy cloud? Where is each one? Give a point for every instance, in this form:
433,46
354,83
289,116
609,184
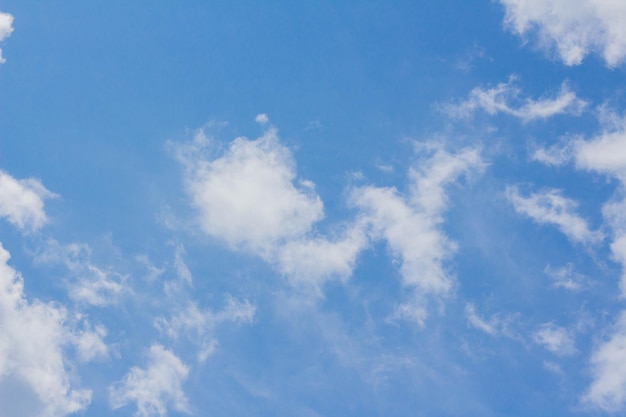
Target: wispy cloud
555,339
574,28
154,389
565,277
551,207
88,283
6,27
22,202
506,98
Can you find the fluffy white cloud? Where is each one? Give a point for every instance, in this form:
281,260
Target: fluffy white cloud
250,198
154,388
32,342
505,98
556,339
311,260
22,202
88,283
247,197
608,389
574,28
6,27
551,207
411,225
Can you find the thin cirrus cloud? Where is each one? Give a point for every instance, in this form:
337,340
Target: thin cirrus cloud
22,202
574,28
155,388
87,283
506,98
34,345
551,207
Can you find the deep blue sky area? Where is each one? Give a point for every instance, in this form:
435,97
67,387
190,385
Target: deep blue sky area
330,208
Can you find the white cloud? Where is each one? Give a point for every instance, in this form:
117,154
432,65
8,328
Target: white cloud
565,277
608,388
411,225
310,261
21,202
505,98
478,322
247,197
90,343
250,198
551,207
88,283
556,339
6,28
554,155
606,154
574,28
199,324
32,342
154,388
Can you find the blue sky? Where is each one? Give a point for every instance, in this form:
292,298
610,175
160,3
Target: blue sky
312,208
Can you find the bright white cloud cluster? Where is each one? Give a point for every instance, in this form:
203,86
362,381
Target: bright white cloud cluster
411,225
551,207
248,198
32,342
155,388
574,28
6,27
22,202
505,98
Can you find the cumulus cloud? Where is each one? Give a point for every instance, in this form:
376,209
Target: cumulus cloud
411,225
32,346
250,198
551,207
22,202
247,197
608,388
6,27
555,339
155,388
574,28
506,98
